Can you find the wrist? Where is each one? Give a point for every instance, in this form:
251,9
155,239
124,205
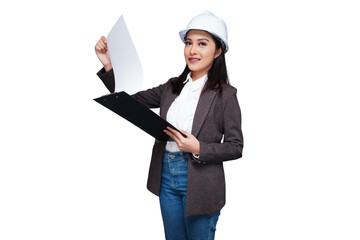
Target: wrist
108,67
197,149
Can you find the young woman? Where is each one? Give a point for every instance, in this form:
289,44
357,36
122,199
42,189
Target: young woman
187,172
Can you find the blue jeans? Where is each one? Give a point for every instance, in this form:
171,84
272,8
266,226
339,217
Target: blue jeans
173,202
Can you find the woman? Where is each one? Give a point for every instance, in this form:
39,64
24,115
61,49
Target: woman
187,173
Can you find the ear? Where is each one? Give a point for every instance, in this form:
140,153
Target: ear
217,53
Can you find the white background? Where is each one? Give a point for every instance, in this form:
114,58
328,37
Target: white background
71,169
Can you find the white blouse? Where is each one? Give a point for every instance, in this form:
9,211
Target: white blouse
182,110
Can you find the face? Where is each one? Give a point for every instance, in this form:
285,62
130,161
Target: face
200,52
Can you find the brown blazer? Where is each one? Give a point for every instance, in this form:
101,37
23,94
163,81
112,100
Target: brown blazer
217,117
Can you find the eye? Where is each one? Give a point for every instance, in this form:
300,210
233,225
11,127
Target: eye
188,43
202,44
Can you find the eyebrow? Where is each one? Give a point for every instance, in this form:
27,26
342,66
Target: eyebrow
200,39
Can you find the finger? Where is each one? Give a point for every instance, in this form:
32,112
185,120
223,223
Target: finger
173,137
100,51
99,48
102,44
176,133
104,39
185,133
170,134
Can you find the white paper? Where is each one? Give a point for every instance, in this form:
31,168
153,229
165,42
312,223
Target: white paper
124,59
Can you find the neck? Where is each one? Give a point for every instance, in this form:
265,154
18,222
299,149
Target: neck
197,75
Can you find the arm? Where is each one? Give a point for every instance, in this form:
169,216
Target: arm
150,98
108,78
106,74
231,147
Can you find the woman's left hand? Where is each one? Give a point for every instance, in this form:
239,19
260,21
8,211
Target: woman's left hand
188,144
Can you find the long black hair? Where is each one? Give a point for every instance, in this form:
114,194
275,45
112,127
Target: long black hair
217,75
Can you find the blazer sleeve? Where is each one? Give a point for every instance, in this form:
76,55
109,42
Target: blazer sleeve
151,98
107,78
232,145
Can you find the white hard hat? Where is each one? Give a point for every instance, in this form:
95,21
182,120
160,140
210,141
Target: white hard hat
207,21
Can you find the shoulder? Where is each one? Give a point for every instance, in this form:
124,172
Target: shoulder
228,89
226,96
227,92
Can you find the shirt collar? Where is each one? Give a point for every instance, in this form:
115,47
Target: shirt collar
195,85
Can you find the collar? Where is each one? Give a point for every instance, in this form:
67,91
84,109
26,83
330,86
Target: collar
195,85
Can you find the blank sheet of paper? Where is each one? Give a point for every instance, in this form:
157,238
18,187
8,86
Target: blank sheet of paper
124,58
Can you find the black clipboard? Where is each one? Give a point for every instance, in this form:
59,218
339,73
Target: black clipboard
127,107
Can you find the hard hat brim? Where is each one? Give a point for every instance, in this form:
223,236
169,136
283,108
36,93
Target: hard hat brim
183,33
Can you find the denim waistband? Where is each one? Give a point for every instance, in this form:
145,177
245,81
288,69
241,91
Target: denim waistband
174,155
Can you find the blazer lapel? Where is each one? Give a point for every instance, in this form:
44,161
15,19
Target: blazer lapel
202,109
167,103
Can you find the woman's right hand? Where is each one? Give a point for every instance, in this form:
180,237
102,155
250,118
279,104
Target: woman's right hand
102,53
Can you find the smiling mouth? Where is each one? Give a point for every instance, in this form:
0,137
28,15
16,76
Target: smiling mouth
192,60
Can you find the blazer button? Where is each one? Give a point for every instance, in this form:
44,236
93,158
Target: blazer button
198,161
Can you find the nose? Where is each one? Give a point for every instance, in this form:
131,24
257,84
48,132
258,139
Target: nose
193,49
